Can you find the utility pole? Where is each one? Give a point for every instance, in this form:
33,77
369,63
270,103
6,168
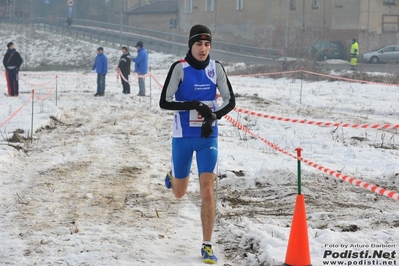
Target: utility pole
303,25
368,24
303,15
214,9
120,21
9,6
286,31
30,17
173,24
324,20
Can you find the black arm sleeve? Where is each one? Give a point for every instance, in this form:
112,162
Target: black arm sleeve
226,108
20,61
163,103
5,58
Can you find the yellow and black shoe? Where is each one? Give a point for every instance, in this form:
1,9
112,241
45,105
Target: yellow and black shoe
207,254
168,180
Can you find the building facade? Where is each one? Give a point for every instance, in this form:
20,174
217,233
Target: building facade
295,24
155,15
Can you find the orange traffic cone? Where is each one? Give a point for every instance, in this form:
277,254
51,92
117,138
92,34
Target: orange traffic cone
298,253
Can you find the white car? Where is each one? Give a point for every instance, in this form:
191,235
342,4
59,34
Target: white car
385,54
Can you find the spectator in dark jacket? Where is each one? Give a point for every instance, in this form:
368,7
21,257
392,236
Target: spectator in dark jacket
69,23
12,61
101,67
69,20
124,67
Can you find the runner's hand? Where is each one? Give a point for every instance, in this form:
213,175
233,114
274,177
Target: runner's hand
202,109
206,128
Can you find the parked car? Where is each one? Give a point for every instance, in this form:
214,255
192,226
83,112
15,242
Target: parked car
327,50
385,54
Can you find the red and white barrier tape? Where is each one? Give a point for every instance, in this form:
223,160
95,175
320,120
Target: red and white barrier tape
119,74
47,95
316,123
373,188
39,85
266,74
16,112
357,182
317,74
157,81
349,79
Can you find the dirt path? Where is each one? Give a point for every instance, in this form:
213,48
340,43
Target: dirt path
93,186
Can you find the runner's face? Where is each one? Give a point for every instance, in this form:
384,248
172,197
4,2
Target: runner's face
200,50
12,46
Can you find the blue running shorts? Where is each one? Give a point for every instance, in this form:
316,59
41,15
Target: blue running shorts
206,151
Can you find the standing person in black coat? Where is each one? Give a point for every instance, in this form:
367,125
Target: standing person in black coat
124,67
69,23
12,61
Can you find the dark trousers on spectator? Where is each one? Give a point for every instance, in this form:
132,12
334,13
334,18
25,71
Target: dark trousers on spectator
100,83
125,84
12,81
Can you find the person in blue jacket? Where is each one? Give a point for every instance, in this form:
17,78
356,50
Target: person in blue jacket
141,66
101,67
190,90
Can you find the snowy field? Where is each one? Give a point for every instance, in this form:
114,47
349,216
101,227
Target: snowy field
89,188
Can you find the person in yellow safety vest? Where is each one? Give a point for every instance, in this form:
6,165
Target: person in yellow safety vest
354,54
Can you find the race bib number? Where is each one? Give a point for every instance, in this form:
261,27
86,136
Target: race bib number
196,119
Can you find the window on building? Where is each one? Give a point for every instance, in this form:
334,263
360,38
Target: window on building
209,5
389,2
188,6
390,23
292,4
315,4
239,4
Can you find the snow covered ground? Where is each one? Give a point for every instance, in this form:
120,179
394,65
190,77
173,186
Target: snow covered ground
89,188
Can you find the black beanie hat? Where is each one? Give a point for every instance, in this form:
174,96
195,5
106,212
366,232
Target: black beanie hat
9,44
198,33
139,44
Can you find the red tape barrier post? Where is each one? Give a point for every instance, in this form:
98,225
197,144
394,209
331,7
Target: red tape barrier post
31,123
298,252
56,90
150,86
298,152
300,98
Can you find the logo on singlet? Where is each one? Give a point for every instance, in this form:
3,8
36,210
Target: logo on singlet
211,73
